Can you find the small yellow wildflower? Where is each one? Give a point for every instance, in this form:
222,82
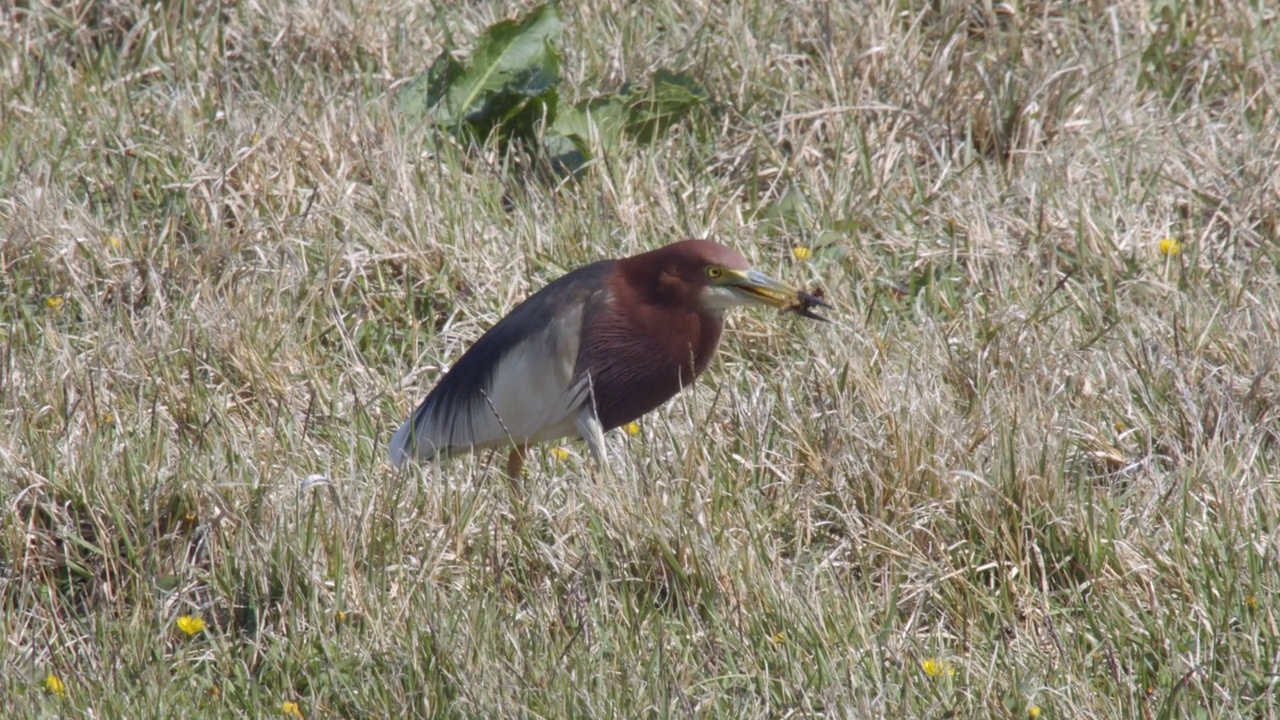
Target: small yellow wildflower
1169,246
53,302
633,428
1251,601
560,453
935,667
113,241
54,686
778,638
340,616
801,253
1033,711
190,625
290,709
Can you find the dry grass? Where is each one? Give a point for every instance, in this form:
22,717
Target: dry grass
1035,456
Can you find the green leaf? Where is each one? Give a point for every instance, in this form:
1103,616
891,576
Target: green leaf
510,80
599,119
671,97
567,154
597,126
418,97
580,132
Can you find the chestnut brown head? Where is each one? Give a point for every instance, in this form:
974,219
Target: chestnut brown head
703,275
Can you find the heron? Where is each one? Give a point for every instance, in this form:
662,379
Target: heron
592,351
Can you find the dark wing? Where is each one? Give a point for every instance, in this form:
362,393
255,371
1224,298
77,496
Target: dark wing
516,383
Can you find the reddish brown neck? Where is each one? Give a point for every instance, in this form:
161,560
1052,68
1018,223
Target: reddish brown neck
667,314
652,337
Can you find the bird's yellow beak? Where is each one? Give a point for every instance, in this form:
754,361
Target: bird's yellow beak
764,290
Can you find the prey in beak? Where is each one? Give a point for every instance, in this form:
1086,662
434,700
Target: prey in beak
764,290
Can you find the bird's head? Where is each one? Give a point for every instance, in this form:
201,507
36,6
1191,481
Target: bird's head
708,276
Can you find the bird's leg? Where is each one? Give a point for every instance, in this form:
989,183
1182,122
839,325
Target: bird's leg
515,462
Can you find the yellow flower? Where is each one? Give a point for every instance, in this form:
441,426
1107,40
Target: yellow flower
113,241
190,625
1033,711
560,453
53,302
801,253
935,667
341,616
1169,246
1251,601
290,709
54,686
633,428
778,638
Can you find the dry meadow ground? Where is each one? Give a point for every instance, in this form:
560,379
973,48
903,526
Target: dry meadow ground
1031,470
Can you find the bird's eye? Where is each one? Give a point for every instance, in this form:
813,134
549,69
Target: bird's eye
714,273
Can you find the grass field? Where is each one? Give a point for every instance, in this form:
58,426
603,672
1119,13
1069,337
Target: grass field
1031,469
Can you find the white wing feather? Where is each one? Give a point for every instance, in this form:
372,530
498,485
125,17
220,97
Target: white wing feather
532,397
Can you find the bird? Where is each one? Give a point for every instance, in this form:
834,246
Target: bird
593,350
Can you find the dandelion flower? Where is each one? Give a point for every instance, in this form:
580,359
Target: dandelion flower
190,625
1169,246
54,686
801,253
113,241
633,428
1033,711
290,709
559,453
935,667
53,302
1251,601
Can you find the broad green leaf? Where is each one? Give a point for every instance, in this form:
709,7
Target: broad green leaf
418,97
511,76
566,154
597,126
670,98
590,128
509,87
598,121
